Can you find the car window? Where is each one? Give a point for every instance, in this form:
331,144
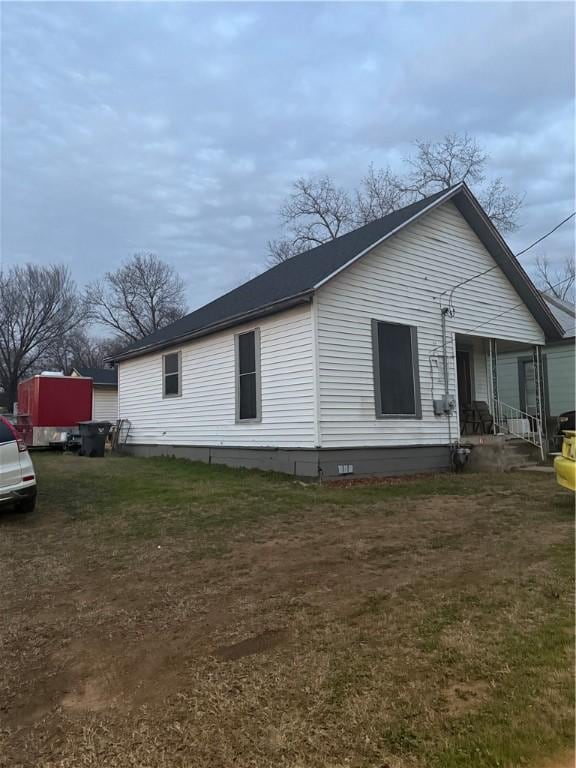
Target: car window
6,434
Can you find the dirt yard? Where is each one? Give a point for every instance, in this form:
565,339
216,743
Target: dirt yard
161,614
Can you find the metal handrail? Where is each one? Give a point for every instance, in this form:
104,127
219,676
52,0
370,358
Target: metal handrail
513,421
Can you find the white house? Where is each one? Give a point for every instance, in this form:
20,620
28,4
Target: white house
349,358
104,392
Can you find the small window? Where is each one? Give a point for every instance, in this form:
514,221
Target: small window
248,376
171,373
396,378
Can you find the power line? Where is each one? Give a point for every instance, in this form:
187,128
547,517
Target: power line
510,309
491,269
547,234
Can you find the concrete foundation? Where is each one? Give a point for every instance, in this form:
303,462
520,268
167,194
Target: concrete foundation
312,463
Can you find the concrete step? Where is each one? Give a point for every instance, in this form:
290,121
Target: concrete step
502,456
522,445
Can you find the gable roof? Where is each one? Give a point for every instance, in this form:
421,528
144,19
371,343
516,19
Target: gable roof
564,312
294,281
100,376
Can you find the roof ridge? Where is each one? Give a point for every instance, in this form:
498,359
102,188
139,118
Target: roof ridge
299,256
294,280
296,276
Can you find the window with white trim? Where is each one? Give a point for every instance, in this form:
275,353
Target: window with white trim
171,374
248,376
396,376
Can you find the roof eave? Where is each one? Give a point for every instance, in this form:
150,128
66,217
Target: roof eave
449,193
230,322
559,303
493,241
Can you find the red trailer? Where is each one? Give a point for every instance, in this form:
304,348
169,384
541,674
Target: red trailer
50,406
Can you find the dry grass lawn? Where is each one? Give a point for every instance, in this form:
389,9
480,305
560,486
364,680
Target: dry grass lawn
162,614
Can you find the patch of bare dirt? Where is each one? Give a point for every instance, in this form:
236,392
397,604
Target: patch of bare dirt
564,761
351,482
265,641
463,698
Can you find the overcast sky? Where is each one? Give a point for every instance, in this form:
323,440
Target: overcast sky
177,127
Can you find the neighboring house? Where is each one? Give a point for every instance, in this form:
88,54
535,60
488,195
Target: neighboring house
517,382
104,392
333,362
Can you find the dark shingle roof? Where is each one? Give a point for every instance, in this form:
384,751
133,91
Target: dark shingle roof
107,376
295,277
293,281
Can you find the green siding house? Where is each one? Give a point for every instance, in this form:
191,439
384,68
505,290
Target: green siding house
516,380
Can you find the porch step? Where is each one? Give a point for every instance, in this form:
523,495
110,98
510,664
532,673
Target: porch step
502,454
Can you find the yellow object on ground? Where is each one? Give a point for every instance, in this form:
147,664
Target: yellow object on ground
565,465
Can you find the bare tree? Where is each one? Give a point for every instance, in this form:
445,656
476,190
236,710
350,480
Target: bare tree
38,305
559,280
318,211
78,349
380,193
440,165
501,204
460,158
282,250
140,297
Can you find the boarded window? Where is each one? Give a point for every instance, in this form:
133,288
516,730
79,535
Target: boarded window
395,350
172,374
247,376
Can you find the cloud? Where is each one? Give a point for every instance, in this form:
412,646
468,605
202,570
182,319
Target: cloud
178,127
242,223
232,25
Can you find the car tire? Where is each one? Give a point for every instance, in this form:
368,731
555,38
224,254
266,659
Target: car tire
26,506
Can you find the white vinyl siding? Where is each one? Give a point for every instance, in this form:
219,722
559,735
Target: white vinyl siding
560,362
400,282
205,414
105,404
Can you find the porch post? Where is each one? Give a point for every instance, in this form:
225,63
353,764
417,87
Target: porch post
540,407
493,350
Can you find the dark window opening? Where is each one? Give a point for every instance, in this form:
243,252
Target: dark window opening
247,376
395,350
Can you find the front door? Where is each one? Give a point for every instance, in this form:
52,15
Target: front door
464,375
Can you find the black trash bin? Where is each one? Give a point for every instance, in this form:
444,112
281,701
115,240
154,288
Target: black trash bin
93,436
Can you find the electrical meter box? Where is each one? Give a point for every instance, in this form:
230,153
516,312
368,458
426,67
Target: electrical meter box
445,405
